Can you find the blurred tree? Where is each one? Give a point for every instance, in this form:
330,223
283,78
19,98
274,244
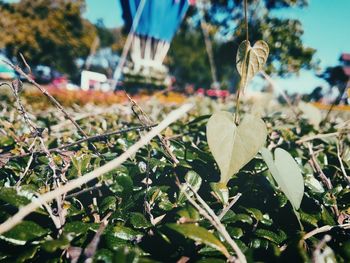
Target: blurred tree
50,32
288,54
106,36
338,78
188,59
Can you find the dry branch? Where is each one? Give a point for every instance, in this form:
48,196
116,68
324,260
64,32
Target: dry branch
26,210
91,138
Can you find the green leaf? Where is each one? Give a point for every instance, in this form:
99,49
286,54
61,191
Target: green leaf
314,185
27,255
194,180
6,141
189,212
139,221
242,218
125,233
10,196
250,60
24,232
256,213
108,204
232,146
287,174
103,255
278,237
221,192
199,234
235,232
54,245
77,228
123,186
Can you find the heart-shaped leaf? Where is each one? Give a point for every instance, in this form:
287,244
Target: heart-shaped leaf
232,146
287,174
250,60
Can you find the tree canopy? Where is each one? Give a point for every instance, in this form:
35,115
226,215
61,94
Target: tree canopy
50,32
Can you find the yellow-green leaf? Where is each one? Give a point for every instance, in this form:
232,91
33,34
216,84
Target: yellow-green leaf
287,174
232,146
250,60
199,234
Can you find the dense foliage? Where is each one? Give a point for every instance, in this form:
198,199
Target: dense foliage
149,219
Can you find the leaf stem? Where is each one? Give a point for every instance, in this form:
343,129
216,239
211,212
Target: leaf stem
240,87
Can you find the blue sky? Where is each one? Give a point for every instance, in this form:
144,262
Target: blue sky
325,23
326,28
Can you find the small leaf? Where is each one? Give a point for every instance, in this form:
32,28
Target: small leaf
199,234
278,237
108,204
125,233
24,232
194,180
139,221
76,228
54,245
220,191
250,60
314,185
235,232
287,174
10,196
232,146
27,255
103,255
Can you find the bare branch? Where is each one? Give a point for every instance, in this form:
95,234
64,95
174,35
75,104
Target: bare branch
26,210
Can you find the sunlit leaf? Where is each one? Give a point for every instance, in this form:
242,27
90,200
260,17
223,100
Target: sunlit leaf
24,232
192,179
250,60
232,146
287,174
199,234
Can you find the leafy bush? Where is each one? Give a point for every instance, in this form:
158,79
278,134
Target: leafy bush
146,202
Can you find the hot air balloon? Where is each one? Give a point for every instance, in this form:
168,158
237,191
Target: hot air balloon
156,24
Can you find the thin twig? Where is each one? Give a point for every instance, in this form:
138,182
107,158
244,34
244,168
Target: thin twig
241,88
204,213
50,97
84,191
25,63
342,167
28,165
91,138
318,136
145,120
220,226
326,181
90,250
227,208
324,229
26,210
